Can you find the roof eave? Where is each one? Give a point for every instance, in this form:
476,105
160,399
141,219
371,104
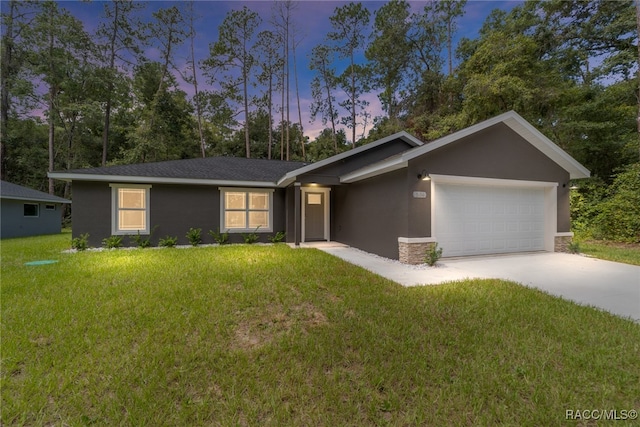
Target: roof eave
403,135
157,180
35,199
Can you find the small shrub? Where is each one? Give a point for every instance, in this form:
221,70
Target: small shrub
140,241
194,235
218,237
433,255
112,242
80,243
277,238
251,237
573,247
168,242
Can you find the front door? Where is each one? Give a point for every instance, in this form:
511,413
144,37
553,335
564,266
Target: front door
314,216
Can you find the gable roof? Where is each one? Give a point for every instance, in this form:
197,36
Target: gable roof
9,190
402,135
512,119
209,170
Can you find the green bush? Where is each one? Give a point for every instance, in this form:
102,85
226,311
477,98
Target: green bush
140,241
218,237
80,243
619,215
585,205
251,237
433,255
168,242
277,238
194,235
112,242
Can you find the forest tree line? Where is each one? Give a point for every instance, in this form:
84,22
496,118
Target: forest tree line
75,98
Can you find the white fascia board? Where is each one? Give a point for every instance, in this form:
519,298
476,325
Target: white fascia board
157,180
548,147
33,199
291,176
520,126
373,170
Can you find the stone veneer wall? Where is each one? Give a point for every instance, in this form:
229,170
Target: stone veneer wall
413,253
561,243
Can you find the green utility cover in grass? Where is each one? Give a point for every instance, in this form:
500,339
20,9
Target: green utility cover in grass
42,262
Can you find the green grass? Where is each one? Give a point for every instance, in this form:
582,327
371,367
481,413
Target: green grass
619,252
268,335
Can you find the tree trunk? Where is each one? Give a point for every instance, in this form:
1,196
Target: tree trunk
638,81
5,73
195,86
52,96
112,61
295,76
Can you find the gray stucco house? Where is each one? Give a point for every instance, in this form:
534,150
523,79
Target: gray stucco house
499,186
28,212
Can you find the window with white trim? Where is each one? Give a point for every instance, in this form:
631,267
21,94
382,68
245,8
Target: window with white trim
130,213
246,209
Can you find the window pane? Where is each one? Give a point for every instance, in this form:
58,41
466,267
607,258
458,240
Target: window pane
131,198
234,200
30,209
259,219
258,201
132,220
314,199
234,219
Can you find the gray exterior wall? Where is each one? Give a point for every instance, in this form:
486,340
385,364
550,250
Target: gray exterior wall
173,210
329,175
15,224
372,214
496,152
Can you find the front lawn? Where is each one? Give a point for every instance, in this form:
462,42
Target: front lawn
628,253
268,335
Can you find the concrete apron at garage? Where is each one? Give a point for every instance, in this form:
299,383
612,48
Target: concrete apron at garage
607,285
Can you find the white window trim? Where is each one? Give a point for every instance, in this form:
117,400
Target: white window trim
37,215
224,190
114,209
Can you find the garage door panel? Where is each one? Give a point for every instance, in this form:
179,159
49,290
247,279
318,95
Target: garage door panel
474,220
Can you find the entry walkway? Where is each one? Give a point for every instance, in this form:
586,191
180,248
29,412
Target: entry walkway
611,286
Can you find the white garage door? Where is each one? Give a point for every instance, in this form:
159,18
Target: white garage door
475,220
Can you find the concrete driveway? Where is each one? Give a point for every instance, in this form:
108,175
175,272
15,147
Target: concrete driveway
611,286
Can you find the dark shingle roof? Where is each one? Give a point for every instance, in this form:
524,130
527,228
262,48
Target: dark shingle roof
210,168
9,190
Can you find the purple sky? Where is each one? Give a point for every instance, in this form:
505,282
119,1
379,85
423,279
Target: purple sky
312,21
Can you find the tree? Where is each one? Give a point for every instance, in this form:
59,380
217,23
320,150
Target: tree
323,87
121,39
193,78
449,11
233,52
269,62
15,18
56,39
282,21
349,24
389,53
164,127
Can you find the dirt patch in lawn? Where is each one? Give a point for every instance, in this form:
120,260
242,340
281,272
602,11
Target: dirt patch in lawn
258,331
